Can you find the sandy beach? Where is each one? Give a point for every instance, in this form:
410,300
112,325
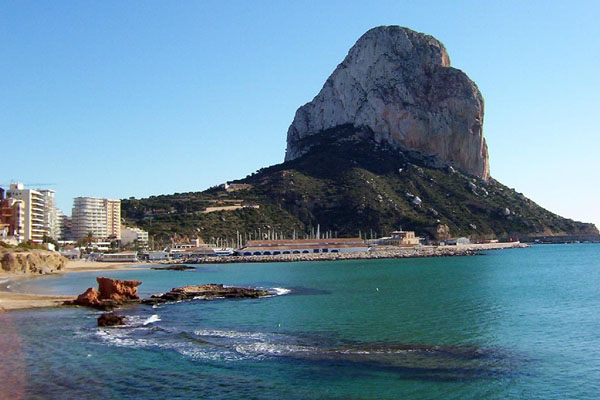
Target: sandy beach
10,300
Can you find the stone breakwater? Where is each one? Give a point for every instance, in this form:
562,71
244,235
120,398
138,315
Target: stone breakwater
379,253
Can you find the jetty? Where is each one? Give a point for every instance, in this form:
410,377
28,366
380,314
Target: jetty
374,253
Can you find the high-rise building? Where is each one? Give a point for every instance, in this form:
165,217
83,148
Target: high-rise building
34,207
66,227
113,218
99,217
51,214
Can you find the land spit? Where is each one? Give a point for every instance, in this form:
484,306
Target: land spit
375,253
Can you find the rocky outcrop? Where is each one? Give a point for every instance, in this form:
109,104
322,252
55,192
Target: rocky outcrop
118,290
110,294
209,291
397,87
111,319
31,261
174,267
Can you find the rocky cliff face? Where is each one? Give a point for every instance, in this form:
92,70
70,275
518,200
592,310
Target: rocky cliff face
397,85
31,262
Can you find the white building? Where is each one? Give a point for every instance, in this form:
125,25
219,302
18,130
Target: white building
302,246
34,207
51,214
130,235
158,256
100,217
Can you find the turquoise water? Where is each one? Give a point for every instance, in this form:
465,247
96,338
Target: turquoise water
510,324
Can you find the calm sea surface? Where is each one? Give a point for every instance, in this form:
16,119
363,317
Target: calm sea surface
510,324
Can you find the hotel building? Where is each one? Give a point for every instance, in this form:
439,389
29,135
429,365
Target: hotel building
100,217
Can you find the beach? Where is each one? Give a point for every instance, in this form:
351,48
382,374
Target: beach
10,300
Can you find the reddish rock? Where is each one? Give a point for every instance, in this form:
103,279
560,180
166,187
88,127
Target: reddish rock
88,298
111,293
117,290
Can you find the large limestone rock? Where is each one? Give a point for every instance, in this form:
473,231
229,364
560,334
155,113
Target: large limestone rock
397,85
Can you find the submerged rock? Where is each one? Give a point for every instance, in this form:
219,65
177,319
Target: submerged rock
173,268
111,319
208,291
110,294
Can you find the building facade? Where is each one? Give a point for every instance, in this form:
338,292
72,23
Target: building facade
51,214
35,225
130,235
113,218
302,246
96,216
12,214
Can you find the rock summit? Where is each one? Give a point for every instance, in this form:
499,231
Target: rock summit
397,88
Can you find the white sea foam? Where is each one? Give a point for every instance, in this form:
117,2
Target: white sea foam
153,318
230,334
126,338
272,349
281,291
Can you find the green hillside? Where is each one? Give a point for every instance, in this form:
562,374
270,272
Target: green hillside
347,185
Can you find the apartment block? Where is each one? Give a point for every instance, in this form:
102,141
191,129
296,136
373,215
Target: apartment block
100,217
12,215
34,207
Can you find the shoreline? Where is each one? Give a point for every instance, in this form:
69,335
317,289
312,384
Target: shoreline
11,300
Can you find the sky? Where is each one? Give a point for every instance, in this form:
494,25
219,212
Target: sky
137,98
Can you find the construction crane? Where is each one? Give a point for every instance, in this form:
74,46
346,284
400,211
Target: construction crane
31,184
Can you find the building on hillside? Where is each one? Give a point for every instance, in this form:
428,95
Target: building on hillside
100,217
34,206
130,235
302,246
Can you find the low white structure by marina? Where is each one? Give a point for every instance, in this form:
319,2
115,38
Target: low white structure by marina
302,246
457,241
158,255
128,256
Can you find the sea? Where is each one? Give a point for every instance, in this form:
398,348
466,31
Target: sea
506,324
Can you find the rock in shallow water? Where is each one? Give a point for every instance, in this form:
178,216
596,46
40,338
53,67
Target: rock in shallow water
174,267
111,293
208,291
111,320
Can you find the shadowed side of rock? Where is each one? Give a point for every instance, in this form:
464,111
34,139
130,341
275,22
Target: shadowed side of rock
111,319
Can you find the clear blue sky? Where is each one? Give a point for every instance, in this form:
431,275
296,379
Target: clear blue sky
134,98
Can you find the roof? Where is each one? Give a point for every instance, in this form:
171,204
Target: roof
306,247
305,242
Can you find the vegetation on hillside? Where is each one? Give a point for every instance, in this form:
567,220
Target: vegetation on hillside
348,186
